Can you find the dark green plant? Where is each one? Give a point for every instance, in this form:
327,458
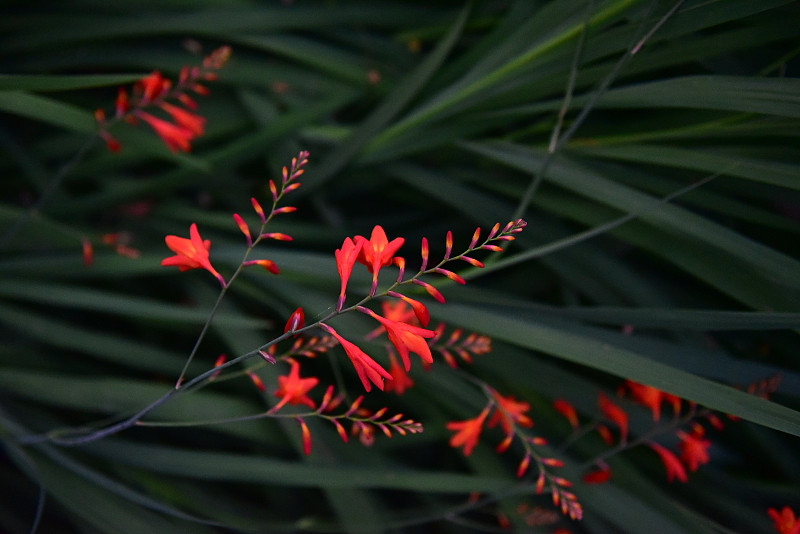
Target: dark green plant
650,145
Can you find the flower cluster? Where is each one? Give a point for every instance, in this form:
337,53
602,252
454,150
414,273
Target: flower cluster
405,336
511,415
157,91
686,425
404,321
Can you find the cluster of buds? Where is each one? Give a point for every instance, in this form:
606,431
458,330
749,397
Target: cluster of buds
512,417
687,425
193,253
157,91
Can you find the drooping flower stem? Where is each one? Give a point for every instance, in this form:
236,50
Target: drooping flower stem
287,185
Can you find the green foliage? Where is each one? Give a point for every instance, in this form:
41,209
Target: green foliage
661,246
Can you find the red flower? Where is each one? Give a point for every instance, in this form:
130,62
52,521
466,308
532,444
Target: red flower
420,311
509,412
672,465
292,389
377,252
694,450
366,368
191,121
400,379
175,137
567,410
394,311
405,338
598,476
615,414
345,259
153,86
190,253
785,521
467,432
647,396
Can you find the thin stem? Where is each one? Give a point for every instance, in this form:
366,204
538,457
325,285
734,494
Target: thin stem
573,75
584,113
48,191
202,334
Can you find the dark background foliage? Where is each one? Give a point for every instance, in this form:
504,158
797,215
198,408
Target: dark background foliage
666,205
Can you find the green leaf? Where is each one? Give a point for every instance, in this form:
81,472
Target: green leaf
47,110
596,354
35,82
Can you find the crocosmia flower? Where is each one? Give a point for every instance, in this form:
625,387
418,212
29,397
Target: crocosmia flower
694,450
293,389
467,432
176,137
672,465
785,521
190,253
345,259
405,338
377,252
368,370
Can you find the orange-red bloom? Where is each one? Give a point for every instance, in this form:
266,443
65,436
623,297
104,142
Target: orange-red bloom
694,450
509,413
191,121
400,379
393,310
420,310
405,338
671,463
175,137
345,259
567,410
190,253
467,432
647,396
153,86
615,414
377,252
785,521
292,389
366,368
